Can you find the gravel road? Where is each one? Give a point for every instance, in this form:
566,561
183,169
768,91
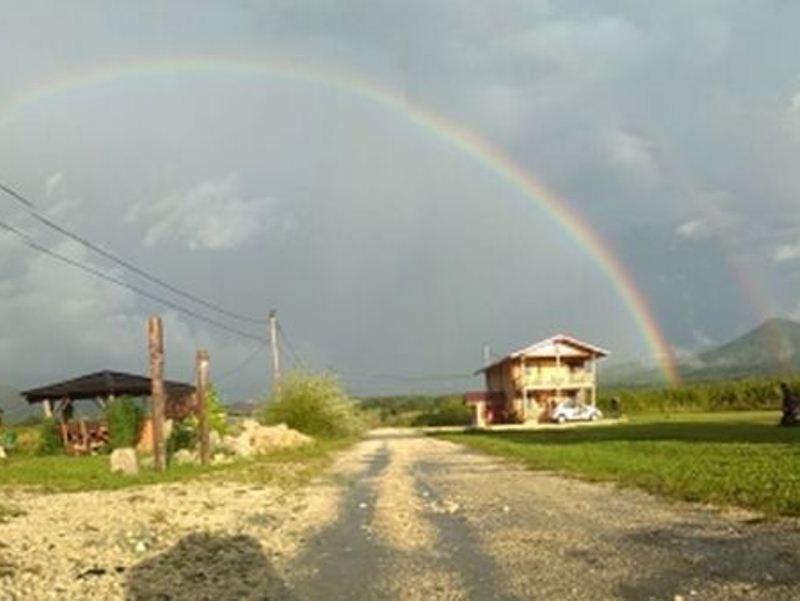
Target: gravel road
399,516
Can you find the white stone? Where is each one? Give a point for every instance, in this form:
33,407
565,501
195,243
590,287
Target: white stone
185,457
124,461
220,459
214,439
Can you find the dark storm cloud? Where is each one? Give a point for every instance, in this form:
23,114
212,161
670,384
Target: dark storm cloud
672,128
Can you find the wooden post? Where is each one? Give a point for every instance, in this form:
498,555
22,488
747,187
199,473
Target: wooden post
558,372
276,361
594,380
155,340
201,386
47,407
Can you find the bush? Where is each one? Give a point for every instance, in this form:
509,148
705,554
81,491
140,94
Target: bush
447,411
50,442
315,404
216,412
8,440
183,436
124,418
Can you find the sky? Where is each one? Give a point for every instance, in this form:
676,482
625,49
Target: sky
391,254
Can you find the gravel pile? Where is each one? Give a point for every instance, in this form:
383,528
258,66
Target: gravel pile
189,540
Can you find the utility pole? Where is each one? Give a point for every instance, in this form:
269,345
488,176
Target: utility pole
201,388
155,341
276,360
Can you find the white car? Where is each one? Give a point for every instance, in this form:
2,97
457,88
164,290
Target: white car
573,411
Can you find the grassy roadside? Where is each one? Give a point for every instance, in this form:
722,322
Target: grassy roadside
61,473
741,459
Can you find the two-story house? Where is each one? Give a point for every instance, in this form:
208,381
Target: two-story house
527,384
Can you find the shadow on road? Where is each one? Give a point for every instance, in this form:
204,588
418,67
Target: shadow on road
750,558
203,566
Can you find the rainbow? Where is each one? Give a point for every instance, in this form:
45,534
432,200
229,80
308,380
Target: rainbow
467,142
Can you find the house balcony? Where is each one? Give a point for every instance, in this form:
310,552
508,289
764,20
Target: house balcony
552,381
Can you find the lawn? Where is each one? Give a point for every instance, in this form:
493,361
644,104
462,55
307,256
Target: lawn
61,473
741,459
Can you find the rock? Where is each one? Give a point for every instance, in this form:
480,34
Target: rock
185,457
249,425
124,461
242,447
214,439
256,439
3,453
220,459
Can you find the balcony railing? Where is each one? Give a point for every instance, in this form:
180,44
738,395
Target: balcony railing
565,380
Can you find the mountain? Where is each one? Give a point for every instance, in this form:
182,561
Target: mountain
631,374
770,350
14,408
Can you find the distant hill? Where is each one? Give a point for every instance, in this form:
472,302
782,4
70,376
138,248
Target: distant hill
631,374
769,350
15,408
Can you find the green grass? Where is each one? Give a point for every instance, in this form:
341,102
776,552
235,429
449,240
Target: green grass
741,459
61,473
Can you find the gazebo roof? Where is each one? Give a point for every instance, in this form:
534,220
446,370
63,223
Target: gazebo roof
102,384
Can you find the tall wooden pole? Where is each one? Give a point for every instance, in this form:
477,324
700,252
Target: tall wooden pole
276,360
155,340
201,386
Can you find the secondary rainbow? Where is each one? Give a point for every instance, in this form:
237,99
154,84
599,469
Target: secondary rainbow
455,135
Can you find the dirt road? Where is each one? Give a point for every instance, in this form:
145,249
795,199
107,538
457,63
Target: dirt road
400,516
425,519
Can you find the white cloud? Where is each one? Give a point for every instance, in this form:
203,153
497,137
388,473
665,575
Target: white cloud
786,252
794,103
53,182
595,47
634,155
694,229
212,215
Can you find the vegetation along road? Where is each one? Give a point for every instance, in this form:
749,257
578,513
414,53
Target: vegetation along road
399,516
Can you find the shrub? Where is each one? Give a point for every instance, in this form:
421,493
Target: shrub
124,418
183,436
216,412
50,442
8,440
315,404
447,411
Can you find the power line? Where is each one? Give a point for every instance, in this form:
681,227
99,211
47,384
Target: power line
28,241
404,378
244,363
30,207
294,355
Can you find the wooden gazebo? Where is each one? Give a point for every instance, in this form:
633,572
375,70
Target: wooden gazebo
99,387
